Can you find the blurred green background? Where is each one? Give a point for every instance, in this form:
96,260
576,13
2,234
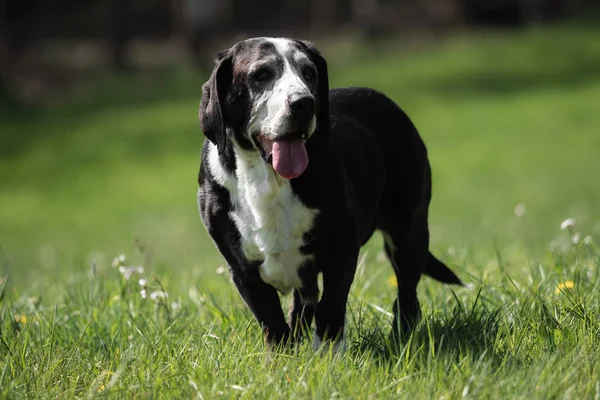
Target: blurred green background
100,157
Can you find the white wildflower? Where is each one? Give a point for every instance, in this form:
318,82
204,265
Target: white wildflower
119,260
520,210
128,271
159,294
142,282
220,270
144,294
174,305
567,223
587,239
576,237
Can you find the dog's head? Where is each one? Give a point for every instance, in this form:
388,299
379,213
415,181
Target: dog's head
268,95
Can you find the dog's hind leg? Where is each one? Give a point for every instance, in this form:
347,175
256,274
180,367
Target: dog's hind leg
406,245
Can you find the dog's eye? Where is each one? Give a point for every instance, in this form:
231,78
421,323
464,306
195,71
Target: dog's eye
261,75
309,74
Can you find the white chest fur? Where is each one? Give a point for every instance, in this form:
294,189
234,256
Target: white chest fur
271,219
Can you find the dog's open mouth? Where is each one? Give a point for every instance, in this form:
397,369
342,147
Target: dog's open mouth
288,155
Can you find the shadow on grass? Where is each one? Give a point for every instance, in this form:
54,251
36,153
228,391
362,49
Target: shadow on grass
463,334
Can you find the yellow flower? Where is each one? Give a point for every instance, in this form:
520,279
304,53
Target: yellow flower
20,319
102,386
393,281
561,287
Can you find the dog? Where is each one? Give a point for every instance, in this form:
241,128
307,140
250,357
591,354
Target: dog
295,178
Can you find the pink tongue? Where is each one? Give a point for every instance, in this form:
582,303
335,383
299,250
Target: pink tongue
289,158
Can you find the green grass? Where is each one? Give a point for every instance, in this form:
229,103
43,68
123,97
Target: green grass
508,119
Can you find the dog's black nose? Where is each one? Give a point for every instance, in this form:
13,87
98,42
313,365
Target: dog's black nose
302,104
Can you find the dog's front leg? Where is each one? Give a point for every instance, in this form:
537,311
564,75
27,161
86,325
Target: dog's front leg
330,316
304,302
263,301
301,315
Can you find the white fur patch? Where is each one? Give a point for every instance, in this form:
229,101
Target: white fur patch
271,219
218,172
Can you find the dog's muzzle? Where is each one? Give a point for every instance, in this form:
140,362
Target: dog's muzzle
286,151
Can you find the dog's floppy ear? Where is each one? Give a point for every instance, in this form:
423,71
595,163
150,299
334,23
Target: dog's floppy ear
213,100
323,89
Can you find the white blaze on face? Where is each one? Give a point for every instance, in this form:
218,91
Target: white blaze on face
270,108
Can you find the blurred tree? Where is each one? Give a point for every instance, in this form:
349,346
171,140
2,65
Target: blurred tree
322,15
179,26
73,27
4,50
204,21
365,16
118,33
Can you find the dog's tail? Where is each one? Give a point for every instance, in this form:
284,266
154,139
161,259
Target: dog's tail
439,271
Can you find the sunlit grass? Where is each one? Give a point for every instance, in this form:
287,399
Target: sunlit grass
511,124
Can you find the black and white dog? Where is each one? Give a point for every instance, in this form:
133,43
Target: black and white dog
295,178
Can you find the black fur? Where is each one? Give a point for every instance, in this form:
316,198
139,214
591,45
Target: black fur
368,170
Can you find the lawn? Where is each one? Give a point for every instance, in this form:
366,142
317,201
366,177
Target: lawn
511,121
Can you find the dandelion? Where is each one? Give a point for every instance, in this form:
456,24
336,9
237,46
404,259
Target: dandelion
567,223
587,240
128,271
576,237
159,294
561,287
393,281
520,210
20,319
220,270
